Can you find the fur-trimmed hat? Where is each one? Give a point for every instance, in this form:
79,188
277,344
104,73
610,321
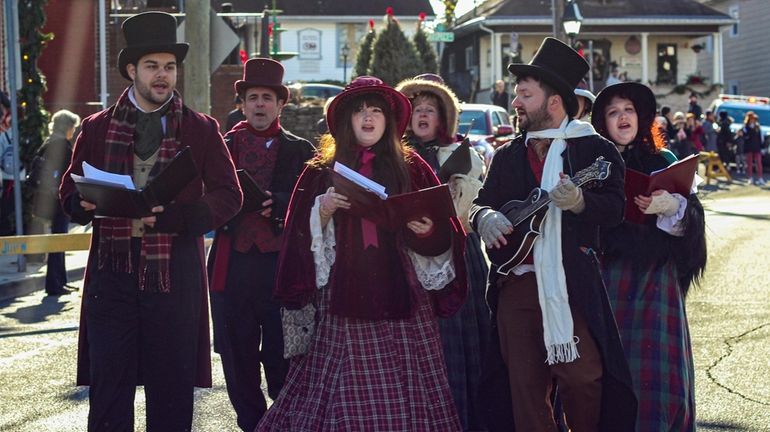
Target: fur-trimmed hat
559,66
147,33
450,105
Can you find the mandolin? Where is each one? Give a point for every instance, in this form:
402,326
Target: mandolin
528,216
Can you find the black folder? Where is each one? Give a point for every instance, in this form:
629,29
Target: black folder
459,162
394,212
253,195
113,200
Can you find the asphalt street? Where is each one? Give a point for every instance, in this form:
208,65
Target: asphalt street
729,320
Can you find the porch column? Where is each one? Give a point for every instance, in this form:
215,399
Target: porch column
645,59
717,58
497,57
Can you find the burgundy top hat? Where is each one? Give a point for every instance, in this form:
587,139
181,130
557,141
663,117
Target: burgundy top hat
262,72
399,104
559,66
147,33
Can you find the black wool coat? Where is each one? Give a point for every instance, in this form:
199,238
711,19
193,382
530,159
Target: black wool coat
511,178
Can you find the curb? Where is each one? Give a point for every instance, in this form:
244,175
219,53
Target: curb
28,284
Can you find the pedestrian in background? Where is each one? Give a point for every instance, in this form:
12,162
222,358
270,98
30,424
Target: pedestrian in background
693,107
649,267
236,115
753,141
500,96
710,132
144,318
374,360
431,133
695,133
51,162
243,258
725,139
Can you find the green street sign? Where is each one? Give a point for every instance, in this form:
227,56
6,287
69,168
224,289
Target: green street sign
441,37
440,27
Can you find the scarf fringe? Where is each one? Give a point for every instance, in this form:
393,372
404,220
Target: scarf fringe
562,353
157,281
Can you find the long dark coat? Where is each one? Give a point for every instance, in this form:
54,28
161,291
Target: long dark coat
511,178
206,203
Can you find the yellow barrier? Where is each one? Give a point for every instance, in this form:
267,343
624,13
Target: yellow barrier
45,243
714,167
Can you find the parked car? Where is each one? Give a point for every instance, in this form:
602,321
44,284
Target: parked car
491,126
737,106
312,92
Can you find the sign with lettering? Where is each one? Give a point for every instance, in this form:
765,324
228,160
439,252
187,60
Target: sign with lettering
309,44
441,37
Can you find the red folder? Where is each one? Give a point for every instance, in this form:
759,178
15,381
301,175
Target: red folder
395,211
675,178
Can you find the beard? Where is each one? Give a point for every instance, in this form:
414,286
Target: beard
537,119
145,90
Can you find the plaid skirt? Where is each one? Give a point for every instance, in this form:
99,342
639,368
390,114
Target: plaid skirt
652,321
360,375
464,338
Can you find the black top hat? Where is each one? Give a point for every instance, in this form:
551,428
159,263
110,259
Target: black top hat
263,72
147,33
559,66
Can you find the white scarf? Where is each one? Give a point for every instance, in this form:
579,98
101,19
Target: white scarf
558,331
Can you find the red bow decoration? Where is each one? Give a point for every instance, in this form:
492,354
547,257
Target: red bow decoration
389,11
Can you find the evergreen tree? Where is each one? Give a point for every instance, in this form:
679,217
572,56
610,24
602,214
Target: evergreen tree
425,49
365,51
394,57
33,123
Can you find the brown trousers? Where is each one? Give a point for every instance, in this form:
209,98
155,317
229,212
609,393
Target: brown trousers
520,325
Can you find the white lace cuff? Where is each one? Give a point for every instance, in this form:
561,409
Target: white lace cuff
322,245
434,273
673,224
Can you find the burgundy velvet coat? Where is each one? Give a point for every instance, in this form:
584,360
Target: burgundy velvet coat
206,203
295,280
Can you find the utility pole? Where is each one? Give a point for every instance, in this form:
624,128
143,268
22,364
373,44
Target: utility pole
557,8
197,76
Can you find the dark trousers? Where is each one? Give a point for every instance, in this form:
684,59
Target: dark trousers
247,332
144,338
56,271
520,326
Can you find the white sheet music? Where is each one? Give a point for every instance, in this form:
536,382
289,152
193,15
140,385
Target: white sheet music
360,180
92,174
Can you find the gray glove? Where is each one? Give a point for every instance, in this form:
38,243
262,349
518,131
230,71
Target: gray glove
567,196
492,226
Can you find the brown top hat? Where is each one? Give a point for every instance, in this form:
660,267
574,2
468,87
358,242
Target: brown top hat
399,104
559,66
147,33
262,72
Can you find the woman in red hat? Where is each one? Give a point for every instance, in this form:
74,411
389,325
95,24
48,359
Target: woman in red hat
372,296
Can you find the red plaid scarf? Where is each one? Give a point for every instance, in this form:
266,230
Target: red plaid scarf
115,233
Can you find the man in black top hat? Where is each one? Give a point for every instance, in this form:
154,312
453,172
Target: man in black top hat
551,314
144,319
243,259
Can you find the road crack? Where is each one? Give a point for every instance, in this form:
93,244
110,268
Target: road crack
731,342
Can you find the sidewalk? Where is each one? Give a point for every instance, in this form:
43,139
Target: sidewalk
15,284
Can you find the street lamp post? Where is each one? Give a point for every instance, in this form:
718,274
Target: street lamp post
571,20
345,52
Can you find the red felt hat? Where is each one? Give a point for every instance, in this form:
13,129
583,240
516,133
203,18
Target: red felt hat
262,72
399,104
